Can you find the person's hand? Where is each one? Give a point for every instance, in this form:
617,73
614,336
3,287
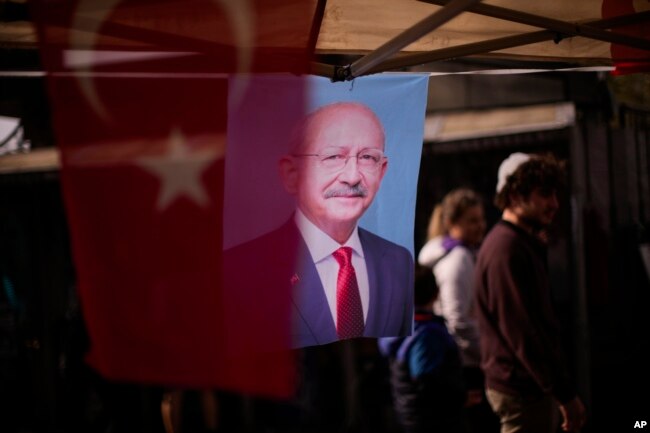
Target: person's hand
574,415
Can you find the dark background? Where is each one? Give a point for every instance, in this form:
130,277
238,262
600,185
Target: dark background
600,288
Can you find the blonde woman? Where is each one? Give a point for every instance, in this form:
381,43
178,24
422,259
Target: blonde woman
456,230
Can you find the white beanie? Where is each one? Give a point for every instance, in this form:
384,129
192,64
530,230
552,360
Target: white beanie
509,166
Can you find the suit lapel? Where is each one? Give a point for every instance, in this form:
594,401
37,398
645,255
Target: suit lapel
313,318
378,308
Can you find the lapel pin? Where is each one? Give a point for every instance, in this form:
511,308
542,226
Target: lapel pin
294,279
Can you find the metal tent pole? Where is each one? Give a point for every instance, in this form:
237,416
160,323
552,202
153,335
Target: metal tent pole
563,27
410,35
498,44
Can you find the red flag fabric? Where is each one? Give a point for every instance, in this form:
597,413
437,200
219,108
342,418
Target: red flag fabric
140,96
628,60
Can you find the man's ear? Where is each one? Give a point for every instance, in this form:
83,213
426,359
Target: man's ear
515,200
384,167
288,168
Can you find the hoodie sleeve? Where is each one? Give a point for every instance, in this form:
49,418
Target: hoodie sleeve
431,252
455,275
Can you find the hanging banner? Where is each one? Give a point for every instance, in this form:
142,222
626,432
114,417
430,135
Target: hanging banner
343,178
139,95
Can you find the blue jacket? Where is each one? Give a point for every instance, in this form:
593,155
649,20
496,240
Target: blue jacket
426,377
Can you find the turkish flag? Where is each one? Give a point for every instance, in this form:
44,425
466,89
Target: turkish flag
140,96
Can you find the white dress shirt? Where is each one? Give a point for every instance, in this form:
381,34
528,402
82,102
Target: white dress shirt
321,247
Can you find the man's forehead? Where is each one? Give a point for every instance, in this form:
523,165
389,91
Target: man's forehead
344,111
345,126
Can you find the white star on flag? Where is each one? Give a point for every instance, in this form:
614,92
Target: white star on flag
179,170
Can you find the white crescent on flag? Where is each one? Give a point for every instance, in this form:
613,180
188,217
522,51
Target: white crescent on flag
78,40
240,14
91,14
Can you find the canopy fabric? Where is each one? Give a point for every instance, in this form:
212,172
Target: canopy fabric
363,25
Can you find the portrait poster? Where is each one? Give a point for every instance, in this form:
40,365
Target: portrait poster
262,209
399,100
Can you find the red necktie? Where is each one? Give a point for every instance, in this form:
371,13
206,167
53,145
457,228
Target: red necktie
349,313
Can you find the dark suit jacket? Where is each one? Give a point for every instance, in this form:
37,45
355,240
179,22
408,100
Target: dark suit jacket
280,264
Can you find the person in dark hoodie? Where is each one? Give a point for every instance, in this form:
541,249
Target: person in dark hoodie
527,376
425,368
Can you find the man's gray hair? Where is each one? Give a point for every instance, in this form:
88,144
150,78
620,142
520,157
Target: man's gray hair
299,133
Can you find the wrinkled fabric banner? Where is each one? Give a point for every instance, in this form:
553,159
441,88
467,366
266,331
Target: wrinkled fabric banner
274,187
139,94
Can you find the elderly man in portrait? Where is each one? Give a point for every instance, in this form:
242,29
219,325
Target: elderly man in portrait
344,281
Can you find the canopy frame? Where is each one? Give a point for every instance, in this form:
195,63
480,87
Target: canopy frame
380,60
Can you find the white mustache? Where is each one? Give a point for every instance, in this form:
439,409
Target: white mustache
350,191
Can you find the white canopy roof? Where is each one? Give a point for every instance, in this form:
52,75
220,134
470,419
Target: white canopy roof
575,31
407,33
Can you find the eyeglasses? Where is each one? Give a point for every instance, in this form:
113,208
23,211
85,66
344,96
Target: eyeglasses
335,159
